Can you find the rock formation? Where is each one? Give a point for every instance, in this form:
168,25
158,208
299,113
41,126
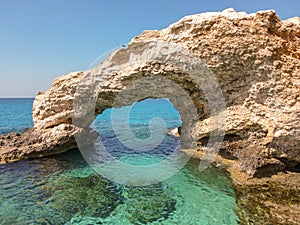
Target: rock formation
256,61
255,58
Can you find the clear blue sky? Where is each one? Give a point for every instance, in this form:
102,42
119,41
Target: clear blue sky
43,39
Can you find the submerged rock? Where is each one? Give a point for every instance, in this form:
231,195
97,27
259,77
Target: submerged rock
87,196
173,132
148,204
273,200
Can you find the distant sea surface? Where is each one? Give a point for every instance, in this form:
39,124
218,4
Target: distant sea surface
15,114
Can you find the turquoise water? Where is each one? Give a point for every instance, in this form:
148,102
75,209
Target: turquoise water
15,114
65,190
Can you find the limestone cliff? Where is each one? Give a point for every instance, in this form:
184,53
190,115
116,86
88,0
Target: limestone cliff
256,60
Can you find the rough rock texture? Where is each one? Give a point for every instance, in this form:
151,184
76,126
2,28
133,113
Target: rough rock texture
54,107
38,142
263,201
53,132
255,59
267,200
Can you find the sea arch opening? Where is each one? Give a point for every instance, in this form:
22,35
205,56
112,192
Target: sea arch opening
156,70
145,128
158,87
139,89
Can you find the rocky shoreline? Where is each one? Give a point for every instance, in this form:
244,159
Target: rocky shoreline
256,61
268,200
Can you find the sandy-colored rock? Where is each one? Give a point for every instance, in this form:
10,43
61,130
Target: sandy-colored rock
37,143
54,107
268,200
256,61
255,58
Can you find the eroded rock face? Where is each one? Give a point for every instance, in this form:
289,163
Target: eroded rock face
256,60
38,142
54,107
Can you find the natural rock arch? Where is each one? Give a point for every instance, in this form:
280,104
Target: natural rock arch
157,70
255,59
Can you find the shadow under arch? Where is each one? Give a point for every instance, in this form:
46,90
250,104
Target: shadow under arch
153,69
159,86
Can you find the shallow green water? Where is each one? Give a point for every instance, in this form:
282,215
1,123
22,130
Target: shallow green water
64,190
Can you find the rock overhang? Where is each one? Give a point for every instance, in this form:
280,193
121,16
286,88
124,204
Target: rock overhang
256,62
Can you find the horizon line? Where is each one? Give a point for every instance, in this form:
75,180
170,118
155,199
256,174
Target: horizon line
17,96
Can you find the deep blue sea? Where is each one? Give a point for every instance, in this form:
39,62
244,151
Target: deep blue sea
15,114
64,189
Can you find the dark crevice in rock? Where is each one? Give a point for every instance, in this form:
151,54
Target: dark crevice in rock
233,137
105,100
290,165
270,168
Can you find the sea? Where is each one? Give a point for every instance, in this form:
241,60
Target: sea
66,189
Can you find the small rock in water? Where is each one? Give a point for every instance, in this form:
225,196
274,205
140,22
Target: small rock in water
173,132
